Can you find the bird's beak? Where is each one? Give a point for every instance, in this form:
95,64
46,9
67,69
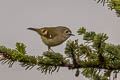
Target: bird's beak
72,34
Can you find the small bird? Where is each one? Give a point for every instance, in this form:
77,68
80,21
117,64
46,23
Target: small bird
53,36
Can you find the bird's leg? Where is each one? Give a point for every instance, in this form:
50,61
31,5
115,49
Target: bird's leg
49,49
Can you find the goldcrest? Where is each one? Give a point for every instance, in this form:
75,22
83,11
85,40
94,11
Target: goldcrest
53,36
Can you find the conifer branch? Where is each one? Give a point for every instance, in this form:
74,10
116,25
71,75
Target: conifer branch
93,56
112,4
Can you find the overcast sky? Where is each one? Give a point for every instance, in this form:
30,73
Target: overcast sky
17,15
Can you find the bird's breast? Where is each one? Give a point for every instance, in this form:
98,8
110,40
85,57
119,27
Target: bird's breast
52,42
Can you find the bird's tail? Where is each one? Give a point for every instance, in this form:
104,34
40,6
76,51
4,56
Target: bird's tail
34,29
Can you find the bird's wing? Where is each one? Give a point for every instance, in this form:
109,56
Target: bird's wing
51,32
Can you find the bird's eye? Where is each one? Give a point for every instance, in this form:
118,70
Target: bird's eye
66,31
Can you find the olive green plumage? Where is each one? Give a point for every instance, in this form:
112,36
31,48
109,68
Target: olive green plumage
53,36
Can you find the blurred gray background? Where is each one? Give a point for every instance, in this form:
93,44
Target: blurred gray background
17,15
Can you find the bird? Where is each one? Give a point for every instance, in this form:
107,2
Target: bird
53,36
